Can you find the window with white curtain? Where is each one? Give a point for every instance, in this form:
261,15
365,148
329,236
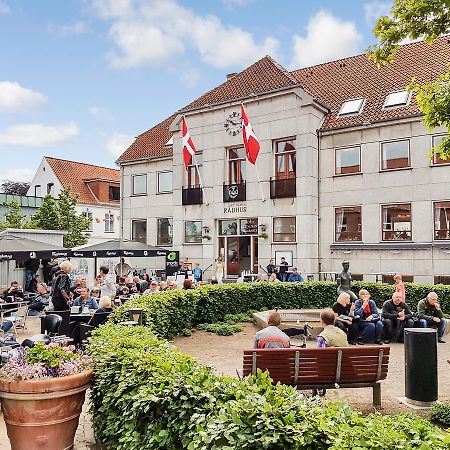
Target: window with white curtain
397,223
348,224
441,220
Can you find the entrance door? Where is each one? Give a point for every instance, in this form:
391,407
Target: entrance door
238,255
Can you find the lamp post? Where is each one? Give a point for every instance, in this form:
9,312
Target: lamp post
136,315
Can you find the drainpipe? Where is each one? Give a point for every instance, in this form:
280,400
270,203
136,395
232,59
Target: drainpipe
319,256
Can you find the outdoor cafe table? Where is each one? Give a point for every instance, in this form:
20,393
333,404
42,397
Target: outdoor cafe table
7,308
81,317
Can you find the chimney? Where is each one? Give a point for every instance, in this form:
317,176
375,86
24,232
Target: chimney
231,75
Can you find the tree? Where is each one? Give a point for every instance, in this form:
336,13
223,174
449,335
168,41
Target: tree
15,187
13,218
418,19
46,217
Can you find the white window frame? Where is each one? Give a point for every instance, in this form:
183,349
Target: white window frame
335,160
133,185
88,215
381,153
132,228
158,189
388,105
201,232
273,229
109,222
353,112
157,231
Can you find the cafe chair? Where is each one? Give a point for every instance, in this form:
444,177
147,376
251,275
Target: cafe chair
64,328
19,319
99,318
50,326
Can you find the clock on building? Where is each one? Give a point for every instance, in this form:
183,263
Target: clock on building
233,124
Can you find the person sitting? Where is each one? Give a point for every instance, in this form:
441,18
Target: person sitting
100,315
187,284
331,336
39,302
163,286
95,293
430,315
172,285
396,316
153,289
344,318
13,294
122,288
370,325
259,278
272,336
85,300
273,278
32,285
96,283
295,276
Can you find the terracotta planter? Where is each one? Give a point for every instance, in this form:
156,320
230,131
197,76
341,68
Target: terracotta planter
43,414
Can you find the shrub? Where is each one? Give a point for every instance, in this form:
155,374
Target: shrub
223,329
440,412
147,395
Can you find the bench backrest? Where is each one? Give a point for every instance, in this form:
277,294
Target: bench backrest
297,366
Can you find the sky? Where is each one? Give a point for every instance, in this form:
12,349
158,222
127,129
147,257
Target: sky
79,79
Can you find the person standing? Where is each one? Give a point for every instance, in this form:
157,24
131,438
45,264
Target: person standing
283,269
219,270
31,267
431,315
198,273
61,295
47,270
400,287
122,269
271,267
370,325
107,286
396,316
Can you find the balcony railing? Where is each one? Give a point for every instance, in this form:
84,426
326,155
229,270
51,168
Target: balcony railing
234,192
282,187
192,196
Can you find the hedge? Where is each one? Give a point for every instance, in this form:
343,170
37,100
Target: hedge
172,312
147,395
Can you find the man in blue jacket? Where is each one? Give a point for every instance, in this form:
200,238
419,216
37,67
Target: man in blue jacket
295,276
370,325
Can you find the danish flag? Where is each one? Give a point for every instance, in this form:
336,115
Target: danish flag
188,145
251,142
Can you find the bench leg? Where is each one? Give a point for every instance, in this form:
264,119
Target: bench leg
376,395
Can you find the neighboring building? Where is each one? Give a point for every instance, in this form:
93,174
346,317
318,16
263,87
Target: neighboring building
28,205
343,166
98,190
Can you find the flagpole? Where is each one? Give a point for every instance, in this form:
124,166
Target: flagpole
259,183
200,179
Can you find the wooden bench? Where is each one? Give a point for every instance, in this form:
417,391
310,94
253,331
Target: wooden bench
322,368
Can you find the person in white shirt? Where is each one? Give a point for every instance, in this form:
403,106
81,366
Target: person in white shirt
107,285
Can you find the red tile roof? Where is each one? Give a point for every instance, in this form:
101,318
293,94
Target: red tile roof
330,83
76,175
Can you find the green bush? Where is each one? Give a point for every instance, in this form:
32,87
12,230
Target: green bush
440,412
147,395
223,329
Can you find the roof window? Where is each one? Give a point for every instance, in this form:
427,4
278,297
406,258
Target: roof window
169,143
353,106
398,98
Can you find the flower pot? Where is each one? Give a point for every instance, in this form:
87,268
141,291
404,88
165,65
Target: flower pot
43,413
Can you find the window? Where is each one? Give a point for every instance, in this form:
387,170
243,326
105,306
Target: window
347,160
193,232
441,220
285,159
398,98
139,230
193,180
88,215
387,278
396,224
236,165
348,224
37,190
50,189
352,106
164,182
114,193
164,231
436,140
441,279
395,155
284,229
109,222
139,184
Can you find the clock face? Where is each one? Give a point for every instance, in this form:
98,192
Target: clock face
233,124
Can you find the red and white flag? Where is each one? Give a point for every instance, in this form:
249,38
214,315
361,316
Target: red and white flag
251,142
188,145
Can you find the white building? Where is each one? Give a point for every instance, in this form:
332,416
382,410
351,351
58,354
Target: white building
98,190
343,168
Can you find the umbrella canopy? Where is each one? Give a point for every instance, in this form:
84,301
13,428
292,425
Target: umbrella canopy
14,247
118,247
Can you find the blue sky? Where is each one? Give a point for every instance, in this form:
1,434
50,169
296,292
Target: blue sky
80,78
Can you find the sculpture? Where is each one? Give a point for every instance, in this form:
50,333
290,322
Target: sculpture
344,281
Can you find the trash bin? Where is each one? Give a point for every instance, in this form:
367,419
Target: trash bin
421,373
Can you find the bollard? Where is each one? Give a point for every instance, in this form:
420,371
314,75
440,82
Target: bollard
421,373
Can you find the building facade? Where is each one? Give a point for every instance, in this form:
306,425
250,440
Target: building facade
343,172
97,188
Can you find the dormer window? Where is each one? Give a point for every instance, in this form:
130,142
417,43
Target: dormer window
396,99
353,106
169,143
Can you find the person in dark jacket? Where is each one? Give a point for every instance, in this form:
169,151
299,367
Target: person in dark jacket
14,291
396,315
431,315
32,285
31,267
271,267
370,325
39,302
61,295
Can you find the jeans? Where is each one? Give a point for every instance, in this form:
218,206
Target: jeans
29,274
432,324
371,331
393,329
283,276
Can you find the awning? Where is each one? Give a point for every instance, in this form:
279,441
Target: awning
19,248
118,247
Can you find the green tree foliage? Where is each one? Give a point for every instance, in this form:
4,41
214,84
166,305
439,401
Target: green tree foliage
60,214
418,19
13,218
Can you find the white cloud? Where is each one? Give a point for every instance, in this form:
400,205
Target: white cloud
375,10
118,143
37,135
158,31
17,99
17,174
328,38
76,28
231,4
101,114
4,8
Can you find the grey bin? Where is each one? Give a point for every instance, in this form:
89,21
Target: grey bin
421,372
